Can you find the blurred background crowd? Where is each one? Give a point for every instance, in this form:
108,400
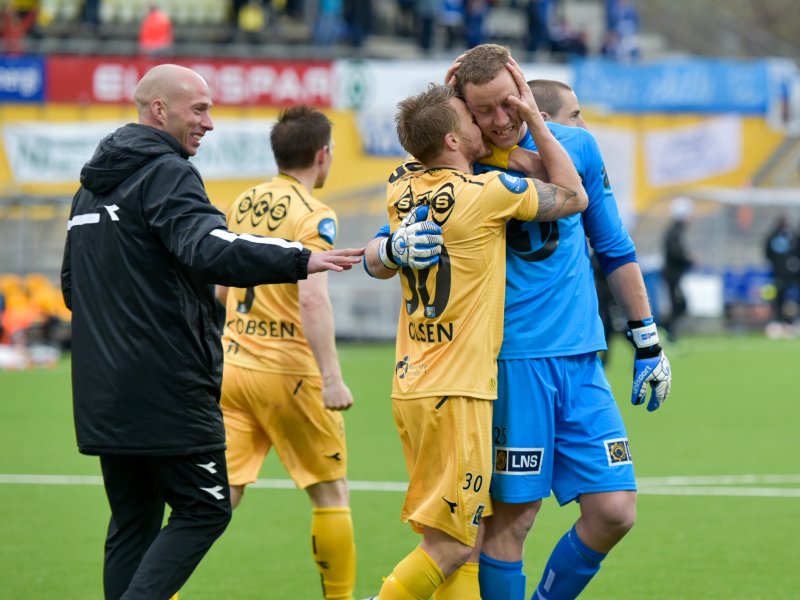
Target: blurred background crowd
695,105
544,29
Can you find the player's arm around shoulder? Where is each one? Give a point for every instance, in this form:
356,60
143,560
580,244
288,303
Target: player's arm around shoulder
556,202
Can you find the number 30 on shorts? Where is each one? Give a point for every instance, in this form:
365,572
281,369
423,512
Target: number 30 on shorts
473,482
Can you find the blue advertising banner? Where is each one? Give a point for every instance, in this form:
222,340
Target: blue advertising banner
724,85
21,79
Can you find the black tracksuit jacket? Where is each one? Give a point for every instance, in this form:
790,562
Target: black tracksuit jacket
139,266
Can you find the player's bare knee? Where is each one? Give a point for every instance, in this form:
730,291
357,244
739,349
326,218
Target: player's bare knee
449,557
513,520
611,515
329,494
621,514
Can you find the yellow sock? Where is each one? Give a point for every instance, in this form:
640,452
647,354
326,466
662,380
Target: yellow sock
416,577
334,551
175,597
461,585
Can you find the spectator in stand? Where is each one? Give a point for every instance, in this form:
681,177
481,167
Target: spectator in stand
425,12
330,24
90,14
358,17
538,24
622,24
780,248
567,41
236,9
296,9
475,12
155,33
451,17
15,26
251,21
677,261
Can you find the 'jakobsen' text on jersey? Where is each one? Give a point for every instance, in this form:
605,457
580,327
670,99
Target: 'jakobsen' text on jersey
263,330
451,319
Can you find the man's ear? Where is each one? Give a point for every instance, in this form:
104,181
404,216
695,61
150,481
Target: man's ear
451,141
319,159
158,110
545,116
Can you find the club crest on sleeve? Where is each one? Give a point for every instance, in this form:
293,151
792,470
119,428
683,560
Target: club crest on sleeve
513,184
618,452
518,461
327,230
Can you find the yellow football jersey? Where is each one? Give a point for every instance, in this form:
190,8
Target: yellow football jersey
451,322
263,329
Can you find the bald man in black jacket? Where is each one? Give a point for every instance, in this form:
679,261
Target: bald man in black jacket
144,248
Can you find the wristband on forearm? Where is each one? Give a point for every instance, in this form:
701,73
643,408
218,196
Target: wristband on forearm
386,255
644,337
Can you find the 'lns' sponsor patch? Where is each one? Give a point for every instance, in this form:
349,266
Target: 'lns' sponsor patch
518,461
618,452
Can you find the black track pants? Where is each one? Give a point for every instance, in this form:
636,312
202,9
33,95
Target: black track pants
142,559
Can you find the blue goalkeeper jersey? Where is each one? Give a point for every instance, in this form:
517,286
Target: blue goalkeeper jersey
551,301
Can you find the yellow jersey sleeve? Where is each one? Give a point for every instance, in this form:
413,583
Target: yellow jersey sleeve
510,197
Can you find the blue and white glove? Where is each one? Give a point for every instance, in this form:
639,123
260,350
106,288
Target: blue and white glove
650,365
416,243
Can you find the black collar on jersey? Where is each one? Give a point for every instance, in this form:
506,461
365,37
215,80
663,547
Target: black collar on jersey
289,177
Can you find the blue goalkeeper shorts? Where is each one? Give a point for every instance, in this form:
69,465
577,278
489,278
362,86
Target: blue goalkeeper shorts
556,426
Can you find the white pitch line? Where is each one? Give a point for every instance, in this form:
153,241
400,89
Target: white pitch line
759,492
712,485
717,479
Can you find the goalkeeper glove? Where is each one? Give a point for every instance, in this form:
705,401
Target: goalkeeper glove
650,365
416,243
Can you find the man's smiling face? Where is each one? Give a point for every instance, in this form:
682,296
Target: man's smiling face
498,121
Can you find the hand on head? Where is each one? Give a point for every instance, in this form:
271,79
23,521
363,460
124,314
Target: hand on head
450,76
524,102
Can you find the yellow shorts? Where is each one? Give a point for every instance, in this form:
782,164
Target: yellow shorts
262,410
447,443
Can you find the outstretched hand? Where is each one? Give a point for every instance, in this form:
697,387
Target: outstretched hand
342,259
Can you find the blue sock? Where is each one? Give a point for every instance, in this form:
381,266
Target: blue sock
569,569
501,580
